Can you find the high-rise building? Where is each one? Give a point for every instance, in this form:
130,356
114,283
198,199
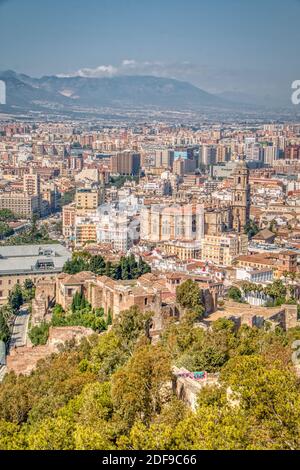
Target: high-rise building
271,154
85,231
126,163
207,155
179,167
253,151
164,158
292,152
223,153
32,184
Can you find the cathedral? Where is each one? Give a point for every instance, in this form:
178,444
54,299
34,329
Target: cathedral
240,197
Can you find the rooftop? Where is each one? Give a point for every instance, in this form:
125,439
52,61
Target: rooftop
30,259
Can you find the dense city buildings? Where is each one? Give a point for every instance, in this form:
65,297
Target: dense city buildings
97,220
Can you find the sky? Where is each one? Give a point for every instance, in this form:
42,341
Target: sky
248,46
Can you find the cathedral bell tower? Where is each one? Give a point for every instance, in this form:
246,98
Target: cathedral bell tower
240,197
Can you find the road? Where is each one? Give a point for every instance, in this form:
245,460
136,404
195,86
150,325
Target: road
3,370
19,332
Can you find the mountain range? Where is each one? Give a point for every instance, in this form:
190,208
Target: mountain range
63,94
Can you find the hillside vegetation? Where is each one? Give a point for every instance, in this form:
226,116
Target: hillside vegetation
113,391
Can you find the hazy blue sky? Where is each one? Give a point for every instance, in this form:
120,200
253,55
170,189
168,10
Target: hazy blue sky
244,45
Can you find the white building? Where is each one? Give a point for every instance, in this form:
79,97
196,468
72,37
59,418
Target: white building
118,226
260,276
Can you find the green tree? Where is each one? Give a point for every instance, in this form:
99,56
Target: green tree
5,230
251,228
109,319
28,290
138,388
52,434
75,265
108,269
270,396
7,215
39,334
133,324
273,226
277,290
11,436
97,265
235,294
188,295
76,302
15,298
4,329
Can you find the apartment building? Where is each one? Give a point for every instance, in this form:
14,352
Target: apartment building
23,205
126,163
68,220
223,249
85,231
32,184
164,158
87,200
183,250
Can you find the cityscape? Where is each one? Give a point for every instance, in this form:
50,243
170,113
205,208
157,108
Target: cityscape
149,241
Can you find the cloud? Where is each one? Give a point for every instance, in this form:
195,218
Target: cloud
100,71
132,66
97,72
129,63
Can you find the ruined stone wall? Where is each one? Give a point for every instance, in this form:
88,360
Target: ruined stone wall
188,389
24,359
43,300
290,316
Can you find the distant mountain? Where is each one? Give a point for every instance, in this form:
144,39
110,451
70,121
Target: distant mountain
71,93
130,91
23,95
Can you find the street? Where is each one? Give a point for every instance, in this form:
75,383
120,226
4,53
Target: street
19,333
3,370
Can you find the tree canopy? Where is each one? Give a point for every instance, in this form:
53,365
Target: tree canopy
113,391
127,268
188,295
